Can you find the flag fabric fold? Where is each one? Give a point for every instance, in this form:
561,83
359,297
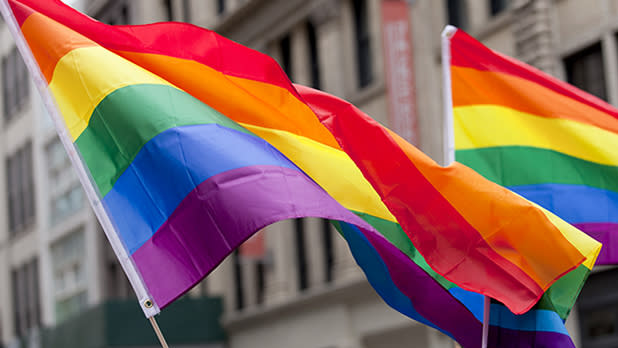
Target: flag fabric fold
195,142
538,136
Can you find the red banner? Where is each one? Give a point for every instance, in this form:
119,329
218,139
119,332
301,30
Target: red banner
397,45
254,247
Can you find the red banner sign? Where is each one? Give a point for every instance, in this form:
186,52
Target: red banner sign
399,69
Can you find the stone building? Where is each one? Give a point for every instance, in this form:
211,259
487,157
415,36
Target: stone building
60,284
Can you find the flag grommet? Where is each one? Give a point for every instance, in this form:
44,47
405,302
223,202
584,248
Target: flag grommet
148,304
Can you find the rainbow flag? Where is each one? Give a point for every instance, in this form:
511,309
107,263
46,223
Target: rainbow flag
538,136
244,148
395,168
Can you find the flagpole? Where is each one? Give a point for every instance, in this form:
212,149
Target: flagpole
449,139
486,308
155,326
447,97
148,306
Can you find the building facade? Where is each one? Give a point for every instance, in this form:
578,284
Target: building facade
305,290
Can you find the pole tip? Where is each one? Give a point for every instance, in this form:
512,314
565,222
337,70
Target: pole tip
449,31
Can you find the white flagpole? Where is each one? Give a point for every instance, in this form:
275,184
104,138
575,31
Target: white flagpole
447,97
149,307
486,307
449,139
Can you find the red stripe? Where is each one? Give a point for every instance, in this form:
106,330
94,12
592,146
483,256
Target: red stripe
448,242
20,11
467,52
171,38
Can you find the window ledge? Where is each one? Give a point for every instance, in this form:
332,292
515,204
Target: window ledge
325,296
367,93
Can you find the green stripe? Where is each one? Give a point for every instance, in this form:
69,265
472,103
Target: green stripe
395,234
520,165
128,118
559,298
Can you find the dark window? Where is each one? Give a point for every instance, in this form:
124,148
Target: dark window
497,6
260,284
169,9
15,84
457,13
186,10
301,255
363,44
15,287
220,7
285,48
585,70
114,13
20,187
26,300
598,310
240,299
117,284
329,250
313,56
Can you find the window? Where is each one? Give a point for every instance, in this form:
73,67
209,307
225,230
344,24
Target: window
186,10
117,284
169,9
497,6
285,48
20,186
15,83
301,254
65,192
457,13
314,64
329,250
363,44
598,310
238,289
260,284
220,7
26,300
70,289
585,70
114,13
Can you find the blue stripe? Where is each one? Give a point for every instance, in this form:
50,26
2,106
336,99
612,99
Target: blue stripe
378,275
573,203
533,320
170,166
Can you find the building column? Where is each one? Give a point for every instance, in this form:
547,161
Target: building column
315,251
610,53
280,268
330,40
533,34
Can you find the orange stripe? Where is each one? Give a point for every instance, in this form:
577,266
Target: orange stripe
251,102
473,87
501,217
50,41
246,101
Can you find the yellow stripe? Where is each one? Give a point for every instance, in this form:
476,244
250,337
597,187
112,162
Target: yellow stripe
84,76
481,126
322,162
586,245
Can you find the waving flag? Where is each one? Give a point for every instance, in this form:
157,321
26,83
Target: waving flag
194,142
538,136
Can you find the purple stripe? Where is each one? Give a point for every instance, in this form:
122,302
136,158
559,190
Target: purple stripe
437,305
430,299
504,338
219,215
607,234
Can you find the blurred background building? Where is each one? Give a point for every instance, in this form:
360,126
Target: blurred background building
297,284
